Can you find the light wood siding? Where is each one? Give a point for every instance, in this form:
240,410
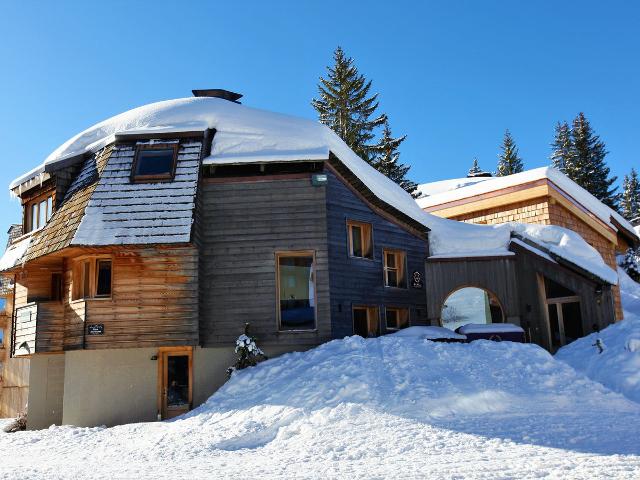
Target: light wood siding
154,300
497,275
243,224
358,281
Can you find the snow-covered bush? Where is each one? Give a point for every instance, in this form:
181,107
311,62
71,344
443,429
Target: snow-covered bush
248,352
630,262
20,423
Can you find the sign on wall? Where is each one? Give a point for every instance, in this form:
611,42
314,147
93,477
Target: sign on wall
416,280
95,329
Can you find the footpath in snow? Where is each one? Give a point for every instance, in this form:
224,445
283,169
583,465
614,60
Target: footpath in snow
391,407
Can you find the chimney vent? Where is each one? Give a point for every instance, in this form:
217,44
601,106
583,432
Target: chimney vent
218,93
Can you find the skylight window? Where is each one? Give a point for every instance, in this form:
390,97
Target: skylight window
154,164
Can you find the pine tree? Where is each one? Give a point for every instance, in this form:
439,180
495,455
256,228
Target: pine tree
345,105
475,169
386,159
630,198
589,169
508,161
562,154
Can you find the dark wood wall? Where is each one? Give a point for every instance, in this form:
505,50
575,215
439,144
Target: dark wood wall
594,309
243,222
496,274
356,281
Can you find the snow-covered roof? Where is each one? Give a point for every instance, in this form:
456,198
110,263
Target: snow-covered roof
14,253
441,192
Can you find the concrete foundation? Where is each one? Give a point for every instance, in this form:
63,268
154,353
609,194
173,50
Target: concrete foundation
46,392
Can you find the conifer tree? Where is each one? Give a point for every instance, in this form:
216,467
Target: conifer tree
508,161
386,159
562,153
346,106
630,198
475,169
589,169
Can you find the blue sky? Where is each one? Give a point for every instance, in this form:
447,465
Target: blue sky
451,75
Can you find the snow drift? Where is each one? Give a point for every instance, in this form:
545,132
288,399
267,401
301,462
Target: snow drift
618,366
395,407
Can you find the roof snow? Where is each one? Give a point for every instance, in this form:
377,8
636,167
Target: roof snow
438,193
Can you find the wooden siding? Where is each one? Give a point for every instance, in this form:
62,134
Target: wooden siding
358,281
243,224
497,275
61,228
594,311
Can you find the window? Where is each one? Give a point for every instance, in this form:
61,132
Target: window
470,305
396,318
103,280
360,244
365,321
1,341
56,287
394,269
92,278
296,291
38,213
154,163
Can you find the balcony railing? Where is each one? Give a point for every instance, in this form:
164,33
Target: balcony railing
25,321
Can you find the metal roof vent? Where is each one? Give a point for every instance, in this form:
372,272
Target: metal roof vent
218,93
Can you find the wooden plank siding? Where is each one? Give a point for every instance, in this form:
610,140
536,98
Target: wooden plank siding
243,223
495,274
598,312
358,281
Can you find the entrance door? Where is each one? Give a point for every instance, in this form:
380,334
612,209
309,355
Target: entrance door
565,323
366,321
176,382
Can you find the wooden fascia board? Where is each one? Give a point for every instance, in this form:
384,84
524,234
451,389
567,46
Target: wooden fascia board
568,202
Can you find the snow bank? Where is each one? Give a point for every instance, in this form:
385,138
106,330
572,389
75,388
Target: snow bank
390,407
618,366
569,245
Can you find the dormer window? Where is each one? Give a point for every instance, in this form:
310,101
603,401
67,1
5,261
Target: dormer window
38,212
154,163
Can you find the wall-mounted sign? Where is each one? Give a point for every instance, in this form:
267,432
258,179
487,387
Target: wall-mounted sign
416,280
96,329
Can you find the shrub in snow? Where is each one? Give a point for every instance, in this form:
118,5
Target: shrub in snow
20,423
248,352
630,262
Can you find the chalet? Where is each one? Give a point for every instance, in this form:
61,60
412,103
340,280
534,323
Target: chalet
149,240
540,196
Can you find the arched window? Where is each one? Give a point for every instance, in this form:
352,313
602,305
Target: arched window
470,305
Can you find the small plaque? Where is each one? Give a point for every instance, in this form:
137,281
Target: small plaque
416,280
96,329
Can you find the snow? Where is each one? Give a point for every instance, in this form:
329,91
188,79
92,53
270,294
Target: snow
450,190
569,245
429,333
390,407
441,186
14,253
490,328
618,366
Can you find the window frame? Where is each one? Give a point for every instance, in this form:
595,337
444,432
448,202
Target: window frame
158,178
32,209
374,310
80,276
400,310
289,254
401,269
365,227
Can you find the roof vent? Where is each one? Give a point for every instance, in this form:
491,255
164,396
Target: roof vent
218,93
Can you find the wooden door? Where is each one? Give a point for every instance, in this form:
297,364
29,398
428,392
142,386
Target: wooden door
176,381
